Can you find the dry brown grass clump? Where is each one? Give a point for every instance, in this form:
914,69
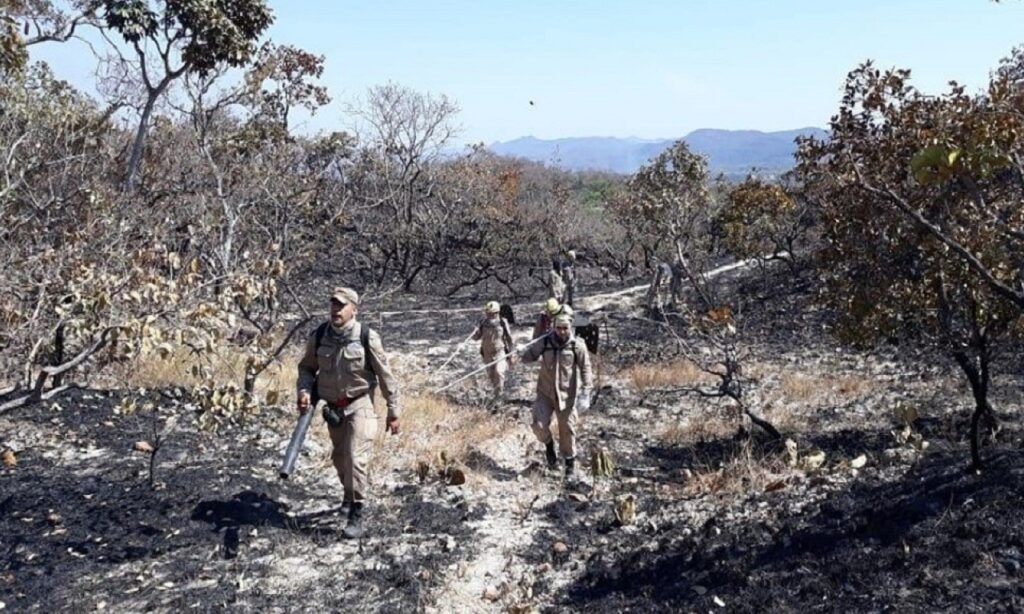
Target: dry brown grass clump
698,428
181,368
437,425
822,388
432,428
668,375
741,471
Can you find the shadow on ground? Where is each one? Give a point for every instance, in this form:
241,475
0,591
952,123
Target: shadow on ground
939,539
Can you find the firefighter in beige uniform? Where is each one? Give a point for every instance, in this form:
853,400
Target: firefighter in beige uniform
546,319
346,362
556,285
564,384
495,346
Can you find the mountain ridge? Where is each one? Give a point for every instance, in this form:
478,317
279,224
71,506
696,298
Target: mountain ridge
731,152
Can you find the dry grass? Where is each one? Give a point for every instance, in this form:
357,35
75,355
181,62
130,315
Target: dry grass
224,366
742,471
699,428
822,388
430,424
436,425
669,375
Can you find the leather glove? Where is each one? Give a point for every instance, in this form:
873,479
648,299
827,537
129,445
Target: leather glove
393,426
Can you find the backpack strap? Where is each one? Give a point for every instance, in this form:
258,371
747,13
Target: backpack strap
364,338
320,332
506,333
548,344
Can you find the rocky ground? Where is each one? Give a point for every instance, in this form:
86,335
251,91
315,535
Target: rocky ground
858,513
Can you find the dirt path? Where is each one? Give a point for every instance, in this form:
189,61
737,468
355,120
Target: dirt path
512,479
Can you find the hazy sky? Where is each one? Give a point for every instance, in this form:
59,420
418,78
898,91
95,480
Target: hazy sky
650,69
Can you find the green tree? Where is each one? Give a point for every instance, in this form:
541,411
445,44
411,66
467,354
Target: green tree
670,201
24,23
922,221
172,38
763,221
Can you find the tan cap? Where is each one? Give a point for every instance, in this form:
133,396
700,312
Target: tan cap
345,295
492,307
563,319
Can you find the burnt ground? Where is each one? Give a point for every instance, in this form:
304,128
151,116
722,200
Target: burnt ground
936,539
82,528
723,523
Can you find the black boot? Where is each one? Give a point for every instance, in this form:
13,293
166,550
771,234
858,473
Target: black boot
570,468
346,509
355,529
551,455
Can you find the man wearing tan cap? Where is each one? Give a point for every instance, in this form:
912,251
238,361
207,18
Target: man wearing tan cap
564,384
344,362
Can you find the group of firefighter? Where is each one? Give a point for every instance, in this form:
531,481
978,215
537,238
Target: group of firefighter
344,362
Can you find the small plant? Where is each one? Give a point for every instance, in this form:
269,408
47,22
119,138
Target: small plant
601,463
220,404
444,466
906,433
157,438
625,510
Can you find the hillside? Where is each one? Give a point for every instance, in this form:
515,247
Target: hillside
855,519
732,152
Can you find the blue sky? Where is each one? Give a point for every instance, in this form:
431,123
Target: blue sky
650,69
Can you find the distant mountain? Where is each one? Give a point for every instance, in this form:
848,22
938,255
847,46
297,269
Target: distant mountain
733,152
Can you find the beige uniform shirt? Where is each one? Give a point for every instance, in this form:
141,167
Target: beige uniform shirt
494,337
556,284
565,370
338,367
542,326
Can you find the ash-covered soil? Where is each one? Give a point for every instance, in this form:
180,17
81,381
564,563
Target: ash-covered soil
864,516
83,529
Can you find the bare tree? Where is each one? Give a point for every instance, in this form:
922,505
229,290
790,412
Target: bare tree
168,40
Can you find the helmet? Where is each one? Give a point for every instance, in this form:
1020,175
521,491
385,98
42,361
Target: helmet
492,307
571,254
551,306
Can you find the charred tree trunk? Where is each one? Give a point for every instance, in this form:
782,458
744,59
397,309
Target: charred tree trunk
58,354
977,372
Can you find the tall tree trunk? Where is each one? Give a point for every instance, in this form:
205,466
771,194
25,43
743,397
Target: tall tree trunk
138,146
58,354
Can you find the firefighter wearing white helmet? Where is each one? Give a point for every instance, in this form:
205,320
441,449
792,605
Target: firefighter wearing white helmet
495,339
547,316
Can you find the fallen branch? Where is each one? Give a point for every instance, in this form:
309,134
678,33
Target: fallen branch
29,399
